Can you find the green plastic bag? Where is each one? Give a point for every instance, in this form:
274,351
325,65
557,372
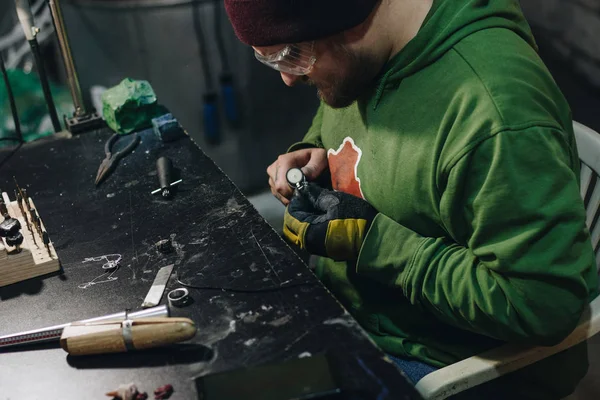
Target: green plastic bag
130,106
31,106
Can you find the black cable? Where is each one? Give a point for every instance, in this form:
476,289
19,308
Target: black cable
202,48
219,38
13,107
11,100
234,290
41,68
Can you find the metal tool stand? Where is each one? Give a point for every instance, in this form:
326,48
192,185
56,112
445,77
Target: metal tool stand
82,120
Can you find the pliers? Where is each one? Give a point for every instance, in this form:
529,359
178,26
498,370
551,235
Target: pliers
112,159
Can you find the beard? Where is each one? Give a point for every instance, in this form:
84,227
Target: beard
343,86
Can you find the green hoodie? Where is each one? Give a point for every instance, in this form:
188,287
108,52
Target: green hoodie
465,146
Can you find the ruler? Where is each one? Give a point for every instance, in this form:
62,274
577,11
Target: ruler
158,287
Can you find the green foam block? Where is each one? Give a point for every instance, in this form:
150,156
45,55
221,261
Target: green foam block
130,106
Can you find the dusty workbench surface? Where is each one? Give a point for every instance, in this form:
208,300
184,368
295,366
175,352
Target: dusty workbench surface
220,242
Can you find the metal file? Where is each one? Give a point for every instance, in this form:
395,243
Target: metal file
158,287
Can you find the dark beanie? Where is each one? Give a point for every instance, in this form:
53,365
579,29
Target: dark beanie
272,22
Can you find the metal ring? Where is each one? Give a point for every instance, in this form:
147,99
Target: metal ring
178,297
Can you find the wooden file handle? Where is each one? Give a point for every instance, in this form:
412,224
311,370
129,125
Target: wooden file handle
108,337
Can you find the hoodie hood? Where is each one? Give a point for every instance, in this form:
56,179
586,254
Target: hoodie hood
448,22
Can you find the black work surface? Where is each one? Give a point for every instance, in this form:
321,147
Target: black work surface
220,241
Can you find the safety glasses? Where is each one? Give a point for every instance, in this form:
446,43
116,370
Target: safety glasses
294,59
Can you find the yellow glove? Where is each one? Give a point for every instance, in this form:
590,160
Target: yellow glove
328,223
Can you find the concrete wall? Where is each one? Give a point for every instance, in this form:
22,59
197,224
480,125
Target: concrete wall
572,28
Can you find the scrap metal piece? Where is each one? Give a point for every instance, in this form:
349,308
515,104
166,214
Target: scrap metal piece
124,392
164,246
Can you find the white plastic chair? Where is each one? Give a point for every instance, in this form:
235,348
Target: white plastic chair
484,367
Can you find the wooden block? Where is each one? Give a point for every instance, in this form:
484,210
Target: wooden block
33,259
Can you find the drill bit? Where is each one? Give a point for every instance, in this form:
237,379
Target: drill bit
36,220
21,196
27,207
46,240
25,198
20,204
18,187
19,199
3,209
24,214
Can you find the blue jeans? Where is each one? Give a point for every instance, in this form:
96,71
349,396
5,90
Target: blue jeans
415,370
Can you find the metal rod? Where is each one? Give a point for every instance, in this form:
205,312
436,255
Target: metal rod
27,23
202,48
11,99
219,37
53,333
177,182
39,62
65,50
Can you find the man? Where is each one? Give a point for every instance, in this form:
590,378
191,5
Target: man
455,222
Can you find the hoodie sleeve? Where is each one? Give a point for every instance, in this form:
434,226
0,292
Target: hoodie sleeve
313,137
517,263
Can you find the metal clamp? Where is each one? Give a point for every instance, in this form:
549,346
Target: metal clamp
127,325
178,297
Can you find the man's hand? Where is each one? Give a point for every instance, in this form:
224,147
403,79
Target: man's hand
312,162
327,223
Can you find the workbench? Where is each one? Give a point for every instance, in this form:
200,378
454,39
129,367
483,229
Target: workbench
220,242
